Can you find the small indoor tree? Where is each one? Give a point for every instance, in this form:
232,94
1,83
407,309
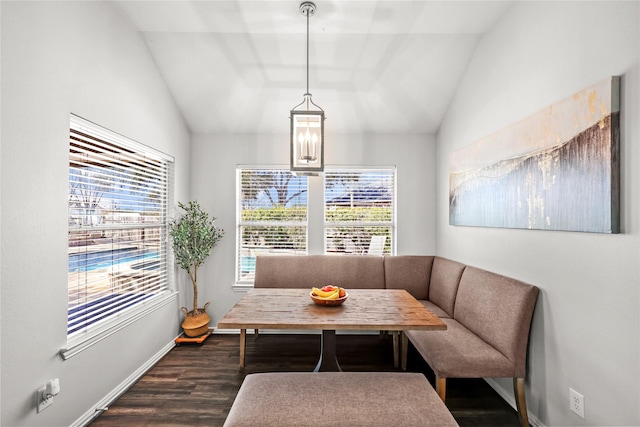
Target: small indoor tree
193,236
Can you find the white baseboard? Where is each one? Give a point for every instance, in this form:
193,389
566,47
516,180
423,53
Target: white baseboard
104,403
507,397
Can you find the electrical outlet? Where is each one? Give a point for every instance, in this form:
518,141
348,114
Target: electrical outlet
43,401
576,402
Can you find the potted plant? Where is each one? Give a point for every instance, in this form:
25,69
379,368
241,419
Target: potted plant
193,237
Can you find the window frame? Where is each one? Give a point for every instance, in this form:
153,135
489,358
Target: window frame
313,228
98,141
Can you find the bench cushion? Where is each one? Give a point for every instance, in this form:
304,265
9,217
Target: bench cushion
338,398
459,353
434,309
306,271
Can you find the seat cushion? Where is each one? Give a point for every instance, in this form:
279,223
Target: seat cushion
434,309
338,398
459,353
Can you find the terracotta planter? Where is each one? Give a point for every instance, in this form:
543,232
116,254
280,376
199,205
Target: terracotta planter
196,322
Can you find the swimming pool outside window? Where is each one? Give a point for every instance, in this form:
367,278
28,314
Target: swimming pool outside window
117,252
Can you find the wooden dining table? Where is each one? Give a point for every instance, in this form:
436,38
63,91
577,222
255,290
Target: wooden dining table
392,310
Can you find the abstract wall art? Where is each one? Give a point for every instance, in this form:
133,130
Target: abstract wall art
558,169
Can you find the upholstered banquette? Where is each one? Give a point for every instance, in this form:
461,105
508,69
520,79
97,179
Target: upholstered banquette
488,315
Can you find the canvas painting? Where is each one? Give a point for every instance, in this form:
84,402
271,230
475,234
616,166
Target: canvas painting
557,169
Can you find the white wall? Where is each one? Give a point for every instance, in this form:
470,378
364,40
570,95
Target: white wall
213,167
586,328
58,58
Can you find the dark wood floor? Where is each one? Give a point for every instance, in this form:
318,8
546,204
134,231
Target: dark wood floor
195,385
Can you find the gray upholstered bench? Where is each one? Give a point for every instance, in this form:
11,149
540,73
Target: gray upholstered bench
338,398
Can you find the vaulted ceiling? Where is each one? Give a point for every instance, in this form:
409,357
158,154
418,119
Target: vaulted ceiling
239,66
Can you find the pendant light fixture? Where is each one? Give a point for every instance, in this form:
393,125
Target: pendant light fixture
307,122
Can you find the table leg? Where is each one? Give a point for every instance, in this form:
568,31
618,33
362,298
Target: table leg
403,352
396,349
243,345
328,361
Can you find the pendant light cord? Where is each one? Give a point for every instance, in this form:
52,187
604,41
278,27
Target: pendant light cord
307,13
307,9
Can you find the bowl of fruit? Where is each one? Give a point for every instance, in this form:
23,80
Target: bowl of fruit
328,295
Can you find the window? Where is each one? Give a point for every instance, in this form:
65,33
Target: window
272,216
359,211
118,198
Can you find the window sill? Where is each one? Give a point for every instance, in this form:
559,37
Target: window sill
76,346
242,287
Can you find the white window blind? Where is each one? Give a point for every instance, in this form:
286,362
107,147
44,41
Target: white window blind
118,199
271,216
360,211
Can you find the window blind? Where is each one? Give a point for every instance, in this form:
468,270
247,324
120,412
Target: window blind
118,200
360,211
271,216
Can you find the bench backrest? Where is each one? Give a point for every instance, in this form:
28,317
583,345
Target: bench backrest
445,279
306,271
410,272
499,310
